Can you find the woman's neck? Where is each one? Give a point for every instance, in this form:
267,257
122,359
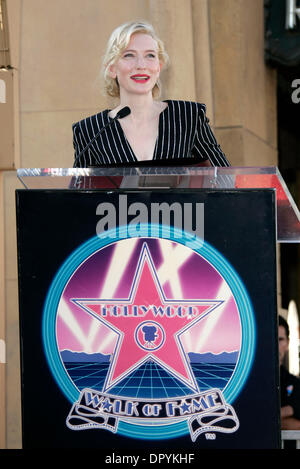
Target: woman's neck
142,107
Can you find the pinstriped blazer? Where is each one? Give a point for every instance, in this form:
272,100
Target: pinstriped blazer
184,137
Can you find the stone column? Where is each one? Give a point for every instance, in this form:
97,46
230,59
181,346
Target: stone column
244,88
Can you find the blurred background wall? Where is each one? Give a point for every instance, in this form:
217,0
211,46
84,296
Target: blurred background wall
50,79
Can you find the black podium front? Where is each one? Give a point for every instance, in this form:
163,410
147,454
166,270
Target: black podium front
148,313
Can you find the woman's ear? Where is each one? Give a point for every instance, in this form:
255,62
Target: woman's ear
112,71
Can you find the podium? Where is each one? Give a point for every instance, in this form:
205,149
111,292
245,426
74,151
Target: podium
148,309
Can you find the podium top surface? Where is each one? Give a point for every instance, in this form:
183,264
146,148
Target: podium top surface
155,177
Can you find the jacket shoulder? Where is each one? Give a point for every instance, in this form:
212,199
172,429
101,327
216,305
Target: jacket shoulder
90,120
192,104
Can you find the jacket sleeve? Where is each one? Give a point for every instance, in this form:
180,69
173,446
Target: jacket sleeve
205,144
80,161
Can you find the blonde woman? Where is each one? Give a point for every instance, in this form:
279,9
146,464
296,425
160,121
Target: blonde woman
151,131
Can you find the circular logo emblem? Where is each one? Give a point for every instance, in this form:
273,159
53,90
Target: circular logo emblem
150,334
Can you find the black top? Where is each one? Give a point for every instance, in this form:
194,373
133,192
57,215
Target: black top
184,138
290,391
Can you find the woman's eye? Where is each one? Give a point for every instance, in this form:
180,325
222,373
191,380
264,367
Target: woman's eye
128,54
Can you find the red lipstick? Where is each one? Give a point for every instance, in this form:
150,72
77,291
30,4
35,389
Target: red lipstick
140,77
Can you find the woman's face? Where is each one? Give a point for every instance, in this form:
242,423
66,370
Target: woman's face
138,68
283,343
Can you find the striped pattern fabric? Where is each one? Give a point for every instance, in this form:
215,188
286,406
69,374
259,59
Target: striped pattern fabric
183,134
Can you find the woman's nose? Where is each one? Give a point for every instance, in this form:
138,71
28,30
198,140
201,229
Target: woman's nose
140,62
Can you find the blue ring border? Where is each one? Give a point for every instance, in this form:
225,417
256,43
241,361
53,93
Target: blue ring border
200,246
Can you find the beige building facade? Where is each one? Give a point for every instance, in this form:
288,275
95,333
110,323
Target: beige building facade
216,50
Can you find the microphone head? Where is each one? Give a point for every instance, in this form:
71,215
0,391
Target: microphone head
125,111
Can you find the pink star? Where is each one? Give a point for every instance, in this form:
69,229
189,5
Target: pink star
148,325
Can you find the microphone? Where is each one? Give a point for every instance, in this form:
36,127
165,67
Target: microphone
125,111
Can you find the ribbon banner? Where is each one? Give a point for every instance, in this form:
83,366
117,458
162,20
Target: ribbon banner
204,412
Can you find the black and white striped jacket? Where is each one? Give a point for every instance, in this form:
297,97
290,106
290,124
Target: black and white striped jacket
184,137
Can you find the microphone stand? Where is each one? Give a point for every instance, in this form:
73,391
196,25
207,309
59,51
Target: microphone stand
125,111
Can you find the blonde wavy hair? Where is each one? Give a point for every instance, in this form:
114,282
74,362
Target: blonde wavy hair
117,43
